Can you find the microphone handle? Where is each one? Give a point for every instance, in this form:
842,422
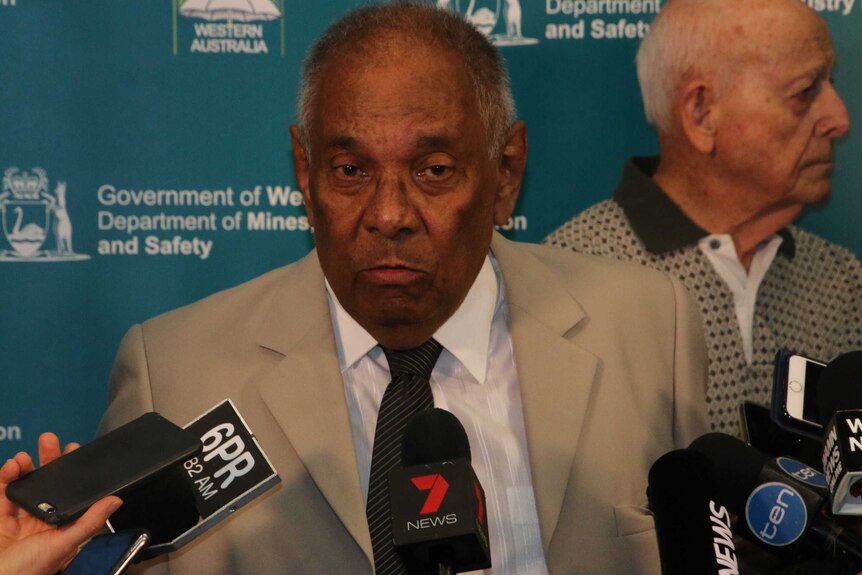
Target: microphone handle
444,557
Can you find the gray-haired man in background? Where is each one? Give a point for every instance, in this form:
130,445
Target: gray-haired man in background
741,94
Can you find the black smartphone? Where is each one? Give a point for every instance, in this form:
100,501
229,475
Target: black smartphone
111,464
795,394
108,554
761,432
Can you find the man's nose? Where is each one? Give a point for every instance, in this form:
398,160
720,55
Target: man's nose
390,211
835,121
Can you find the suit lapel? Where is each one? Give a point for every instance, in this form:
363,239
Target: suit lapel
556,376
305,393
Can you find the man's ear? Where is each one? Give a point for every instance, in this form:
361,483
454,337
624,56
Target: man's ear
301,169
697,116
513,162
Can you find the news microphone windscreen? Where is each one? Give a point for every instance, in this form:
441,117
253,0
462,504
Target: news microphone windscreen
681,469
736,463
439,516
693,527
840,385
434,435
164,506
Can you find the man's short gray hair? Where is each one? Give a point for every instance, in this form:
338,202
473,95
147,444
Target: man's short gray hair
683,38
428,24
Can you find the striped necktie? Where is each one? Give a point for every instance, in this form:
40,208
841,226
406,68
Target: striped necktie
408,393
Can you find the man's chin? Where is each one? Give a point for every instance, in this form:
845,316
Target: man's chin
395,319
817,194
401,329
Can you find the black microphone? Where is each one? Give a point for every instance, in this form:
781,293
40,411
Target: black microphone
840,403
692,524
779,502
439,519
182,504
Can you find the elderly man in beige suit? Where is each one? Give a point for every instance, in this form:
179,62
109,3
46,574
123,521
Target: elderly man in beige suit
571,374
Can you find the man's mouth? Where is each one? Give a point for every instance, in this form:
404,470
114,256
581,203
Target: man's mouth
392,274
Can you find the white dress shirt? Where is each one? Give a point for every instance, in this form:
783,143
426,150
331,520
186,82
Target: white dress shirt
475,379
721,253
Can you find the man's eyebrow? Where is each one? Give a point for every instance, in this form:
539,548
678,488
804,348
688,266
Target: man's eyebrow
344,142
425,142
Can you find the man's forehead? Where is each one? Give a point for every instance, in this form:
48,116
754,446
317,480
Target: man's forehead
367,74
385,47
416,101
400,100
779,34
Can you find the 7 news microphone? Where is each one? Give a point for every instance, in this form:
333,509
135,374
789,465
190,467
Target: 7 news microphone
692,523
779,501
840,404
439,519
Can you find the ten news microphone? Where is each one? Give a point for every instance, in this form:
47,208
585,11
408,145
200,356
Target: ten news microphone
778,502
439,520
840,403
692,524
231,471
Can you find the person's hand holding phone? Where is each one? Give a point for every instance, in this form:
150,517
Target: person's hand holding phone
29,546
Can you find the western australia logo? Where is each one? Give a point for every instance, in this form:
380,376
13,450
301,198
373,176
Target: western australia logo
501,24
32,215
228,26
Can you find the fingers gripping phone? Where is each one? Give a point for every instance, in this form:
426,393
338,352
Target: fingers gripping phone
112,464
794,394
108,554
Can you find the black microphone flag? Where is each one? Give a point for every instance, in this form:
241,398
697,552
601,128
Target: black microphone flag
692,524
439,518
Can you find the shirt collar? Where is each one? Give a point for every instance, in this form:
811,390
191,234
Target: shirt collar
659,223
465,335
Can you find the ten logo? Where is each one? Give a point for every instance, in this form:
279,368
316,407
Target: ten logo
776,514
437,486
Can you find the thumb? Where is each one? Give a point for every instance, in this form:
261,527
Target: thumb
89,524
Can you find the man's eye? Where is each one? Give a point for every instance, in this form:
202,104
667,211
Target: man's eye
810,92
348,171
436,172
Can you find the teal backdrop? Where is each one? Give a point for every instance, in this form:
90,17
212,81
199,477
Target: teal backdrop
146,162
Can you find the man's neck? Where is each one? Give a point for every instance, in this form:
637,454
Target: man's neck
713,209
750,234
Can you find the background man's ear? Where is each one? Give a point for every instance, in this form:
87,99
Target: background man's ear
513,163
697,115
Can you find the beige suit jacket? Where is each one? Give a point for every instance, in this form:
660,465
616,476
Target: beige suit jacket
612,370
